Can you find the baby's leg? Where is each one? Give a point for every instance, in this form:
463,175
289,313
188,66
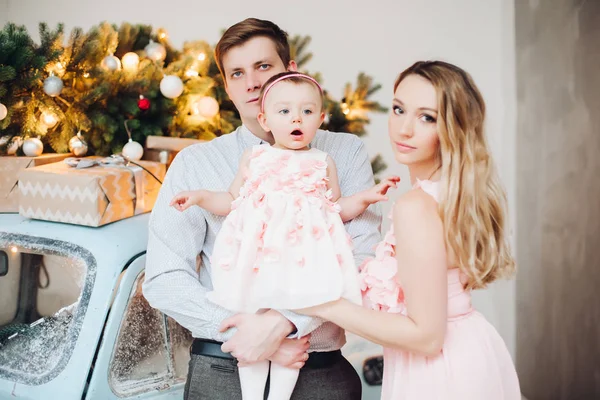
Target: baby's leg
253,379
282,382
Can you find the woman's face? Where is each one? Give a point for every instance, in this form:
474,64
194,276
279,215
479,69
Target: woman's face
413,122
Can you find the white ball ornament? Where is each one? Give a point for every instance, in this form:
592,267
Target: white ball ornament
53,85
133,150
111,63
78,146
171,86
33,147
155,51
207,106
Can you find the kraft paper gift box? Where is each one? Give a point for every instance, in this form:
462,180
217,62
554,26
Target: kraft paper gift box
92,196
10,166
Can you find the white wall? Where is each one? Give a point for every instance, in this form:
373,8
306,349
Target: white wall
380,39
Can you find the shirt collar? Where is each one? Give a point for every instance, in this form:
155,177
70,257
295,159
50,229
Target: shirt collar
250,138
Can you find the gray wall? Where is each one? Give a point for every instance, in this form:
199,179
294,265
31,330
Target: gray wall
558,198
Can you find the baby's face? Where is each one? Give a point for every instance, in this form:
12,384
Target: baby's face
292,113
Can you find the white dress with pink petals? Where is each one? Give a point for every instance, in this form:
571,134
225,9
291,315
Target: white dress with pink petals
474,363
283,245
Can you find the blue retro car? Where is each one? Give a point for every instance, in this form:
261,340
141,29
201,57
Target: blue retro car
75,325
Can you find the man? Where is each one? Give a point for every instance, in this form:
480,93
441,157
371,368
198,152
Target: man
248,54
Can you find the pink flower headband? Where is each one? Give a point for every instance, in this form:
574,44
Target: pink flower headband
281,78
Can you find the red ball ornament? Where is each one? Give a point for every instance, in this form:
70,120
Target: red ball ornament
143,103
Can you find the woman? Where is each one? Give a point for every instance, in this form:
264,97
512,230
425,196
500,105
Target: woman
448,237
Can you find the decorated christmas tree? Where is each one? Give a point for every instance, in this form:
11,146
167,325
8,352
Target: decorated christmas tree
92,92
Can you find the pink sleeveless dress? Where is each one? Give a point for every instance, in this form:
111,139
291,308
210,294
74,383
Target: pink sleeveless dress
474,363
283,245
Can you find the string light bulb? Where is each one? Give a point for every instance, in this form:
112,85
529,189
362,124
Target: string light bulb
162,34
345,108
59,68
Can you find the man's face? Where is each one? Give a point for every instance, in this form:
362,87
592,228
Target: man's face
247,67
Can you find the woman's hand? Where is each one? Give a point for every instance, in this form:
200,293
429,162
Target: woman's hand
321,310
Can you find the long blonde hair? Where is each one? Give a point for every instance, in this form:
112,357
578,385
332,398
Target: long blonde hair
472,199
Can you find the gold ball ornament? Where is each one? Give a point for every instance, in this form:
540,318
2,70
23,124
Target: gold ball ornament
3,111
130,62
49,119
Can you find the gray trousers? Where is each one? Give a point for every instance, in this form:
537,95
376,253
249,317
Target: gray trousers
211,378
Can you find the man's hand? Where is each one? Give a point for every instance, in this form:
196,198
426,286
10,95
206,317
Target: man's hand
258,336
292,353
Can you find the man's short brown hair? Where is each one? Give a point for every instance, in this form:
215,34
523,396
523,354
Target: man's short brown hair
240,33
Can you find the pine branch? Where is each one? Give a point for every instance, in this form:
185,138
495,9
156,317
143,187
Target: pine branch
7,73
377,164
298,45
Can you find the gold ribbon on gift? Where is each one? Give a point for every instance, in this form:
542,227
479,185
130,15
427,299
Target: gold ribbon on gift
118,161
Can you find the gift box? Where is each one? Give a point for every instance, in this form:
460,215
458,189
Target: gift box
10,166
163,149
90,191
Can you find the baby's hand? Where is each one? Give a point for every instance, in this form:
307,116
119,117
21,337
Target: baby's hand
185,200
378,192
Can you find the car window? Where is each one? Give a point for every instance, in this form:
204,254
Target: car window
180,341
44,295
151,350
3,263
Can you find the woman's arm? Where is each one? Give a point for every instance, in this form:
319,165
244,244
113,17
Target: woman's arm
422,269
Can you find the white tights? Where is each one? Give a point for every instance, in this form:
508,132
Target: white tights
254,377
